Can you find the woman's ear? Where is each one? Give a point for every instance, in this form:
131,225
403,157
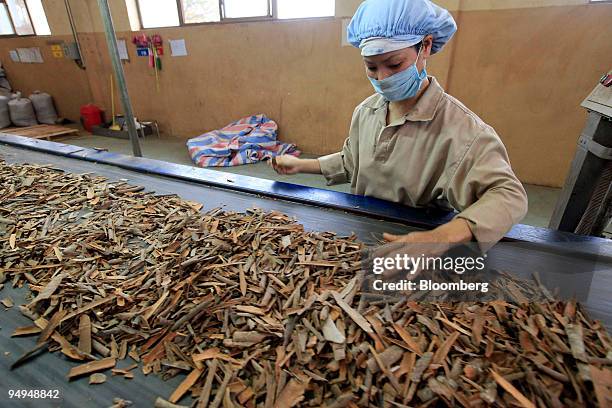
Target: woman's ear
426,45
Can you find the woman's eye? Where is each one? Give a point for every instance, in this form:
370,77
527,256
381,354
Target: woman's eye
395,66
371,68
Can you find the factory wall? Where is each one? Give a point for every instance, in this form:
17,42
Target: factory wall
60,77
524,68
525,71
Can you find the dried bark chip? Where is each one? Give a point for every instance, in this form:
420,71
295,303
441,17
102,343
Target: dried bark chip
97,378
7,302
91,367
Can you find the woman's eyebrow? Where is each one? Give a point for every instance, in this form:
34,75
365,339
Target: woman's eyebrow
397,58
386,60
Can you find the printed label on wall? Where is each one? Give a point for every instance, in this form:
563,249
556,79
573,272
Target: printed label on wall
57,51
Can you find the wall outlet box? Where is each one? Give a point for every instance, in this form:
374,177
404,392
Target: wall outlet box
71,51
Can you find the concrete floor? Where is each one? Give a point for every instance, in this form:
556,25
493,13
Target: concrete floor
541,199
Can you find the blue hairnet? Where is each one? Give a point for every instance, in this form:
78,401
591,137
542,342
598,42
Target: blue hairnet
402,20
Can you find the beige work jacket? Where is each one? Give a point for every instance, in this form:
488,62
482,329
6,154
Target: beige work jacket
440,152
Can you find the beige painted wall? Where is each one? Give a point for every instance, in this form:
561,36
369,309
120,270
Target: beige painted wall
57,17
346,8
500,64
528,82
288,79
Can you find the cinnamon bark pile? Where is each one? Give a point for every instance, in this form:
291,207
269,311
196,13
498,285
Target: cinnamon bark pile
258,312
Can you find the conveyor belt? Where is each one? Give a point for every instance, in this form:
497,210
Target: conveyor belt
557,264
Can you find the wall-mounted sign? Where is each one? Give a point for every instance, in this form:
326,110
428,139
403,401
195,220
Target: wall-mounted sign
178,48
57,50
123,52
30,55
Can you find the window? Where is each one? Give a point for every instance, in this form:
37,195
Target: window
6,25
20,17
38,16
158,13
301,9
23,17
246,8
169,13
201,11
132,10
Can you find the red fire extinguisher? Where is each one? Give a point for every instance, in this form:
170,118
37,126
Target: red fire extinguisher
91,116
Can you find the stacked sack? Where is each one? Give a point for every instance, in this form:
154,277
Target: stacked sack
39,108
5,118
44,108
21,111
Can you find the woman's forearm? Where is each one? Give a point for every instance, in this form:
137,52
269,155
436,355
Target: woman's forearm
455,232
309,166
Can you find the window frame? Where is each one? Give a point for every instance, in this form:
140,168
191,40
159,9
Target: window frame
269,16
272,16
15,35
8,12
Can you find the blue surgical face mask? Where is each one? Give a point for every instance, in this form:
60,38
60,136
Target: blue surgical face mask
402,85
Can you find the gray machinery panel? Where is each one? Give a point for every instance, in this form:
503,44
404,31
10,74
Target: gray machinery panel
600,100
71,51
584,206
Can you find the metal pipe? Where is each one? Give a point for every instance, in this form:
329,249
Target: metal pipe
75,35
111,40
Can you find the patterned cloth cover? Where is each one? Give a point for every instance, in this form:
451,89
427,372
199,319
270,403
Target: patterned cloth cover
248,140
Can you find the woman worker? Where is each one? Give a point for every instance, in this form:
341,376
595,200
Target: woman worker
412,143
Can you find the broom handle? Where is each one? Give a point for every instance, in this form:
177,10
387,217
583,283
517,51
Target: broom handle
112,98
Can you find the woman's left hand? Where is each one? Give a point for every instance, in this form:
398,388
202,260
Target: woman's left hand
454,232
416,237
431,243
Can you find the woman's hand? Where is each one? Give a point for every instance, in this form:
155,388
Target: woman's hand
432,243
287,164
454,232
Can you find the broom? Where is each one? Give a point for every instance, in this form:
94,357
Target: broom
114,126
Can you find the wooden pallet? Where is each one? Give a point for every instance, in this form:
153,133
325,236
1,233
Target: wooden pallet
40,131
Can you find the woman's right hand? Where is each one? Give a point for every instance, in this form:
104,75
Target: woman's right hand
286,164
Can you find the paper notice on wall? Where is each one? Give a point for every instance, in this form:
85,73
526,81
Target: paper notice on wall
25,55
178,48
36,55
122,47
30,55
14,56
